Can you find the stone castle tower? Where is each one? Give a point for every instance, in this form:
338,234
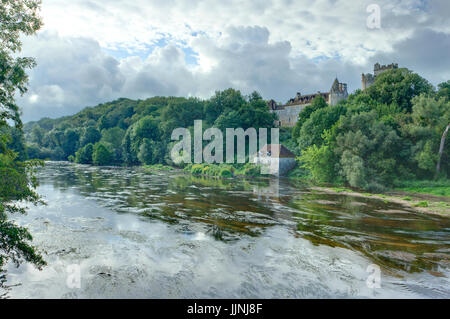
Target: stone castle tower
368,79
338,92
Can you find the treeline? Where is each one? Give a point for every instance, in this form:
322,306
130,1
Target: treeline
129,132
390,132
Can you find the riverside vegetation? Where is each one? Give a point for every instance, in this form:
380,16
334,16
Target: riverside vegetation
382,138
17,18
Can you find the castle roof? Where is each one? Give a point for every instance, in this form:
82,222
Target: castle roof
335,86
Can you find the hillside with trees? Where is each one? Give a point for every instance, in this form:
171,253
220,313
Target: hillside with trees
129,132
392,131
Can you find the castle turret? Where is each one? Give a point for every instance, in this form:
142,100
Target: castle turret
368,79
338,92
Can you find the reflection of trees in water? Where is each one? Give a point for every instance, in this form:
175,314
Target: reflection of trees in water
394,240
212,202
224,207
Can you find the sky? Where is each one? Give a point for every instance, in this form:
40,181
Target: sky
94,51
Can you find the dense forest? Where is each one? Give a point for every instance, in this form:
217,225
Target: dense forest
391,131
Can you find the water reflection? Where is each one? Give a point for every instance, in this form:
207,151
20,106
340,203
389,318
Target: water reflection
256,235
388,233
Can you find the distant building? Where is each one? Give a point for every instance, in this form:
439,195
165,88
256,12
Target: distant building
276,158
368,79
288,113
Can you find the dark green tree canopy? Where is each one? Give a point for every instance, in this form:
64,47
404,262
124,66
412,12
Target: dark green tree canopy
17,18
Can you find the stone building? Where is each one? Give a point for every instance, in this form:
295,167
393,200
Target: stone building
288,113
368,79
275,159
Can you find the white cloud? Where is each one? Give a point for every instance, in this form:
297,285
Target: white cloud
277,47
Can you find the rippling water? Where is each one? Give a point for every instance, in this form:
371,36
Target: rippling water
171,235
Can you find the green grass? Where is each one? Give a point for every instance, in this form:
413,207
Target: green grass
341,189
438,188
421,204
224,170
158,167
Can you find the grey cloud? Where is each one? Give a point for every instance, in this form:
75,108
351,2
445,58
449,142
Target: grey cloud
426,52
71,73
74,73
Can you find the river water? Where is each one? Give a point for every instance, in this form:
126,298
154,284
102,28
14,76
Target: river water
124,233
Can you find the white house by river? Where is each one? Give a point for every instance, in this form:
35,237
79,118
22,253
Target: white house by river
276,159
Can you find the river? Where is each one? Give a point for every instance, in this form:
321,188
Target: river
132,234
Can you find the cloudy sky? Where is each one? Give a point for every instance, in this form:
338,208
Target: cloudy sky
94,51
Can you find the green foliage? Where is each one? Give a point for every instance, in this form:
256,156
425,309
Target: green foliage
225,170
90,135
70,142
17,18
85,154
145,155
421,204
101,156
112,139
319,161
223,102
319,121
392,131
139,132
440,187
398,87
145,128
318,103
444,91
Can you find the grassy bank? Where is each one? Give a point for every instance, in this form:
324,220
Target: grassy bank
425,201
436,188
224,170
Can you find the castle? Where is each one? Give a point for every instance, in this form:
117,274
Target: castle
368,79
288,113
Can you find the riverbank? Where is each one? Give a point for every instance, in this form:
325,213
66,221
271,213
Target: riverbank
430,197
423,203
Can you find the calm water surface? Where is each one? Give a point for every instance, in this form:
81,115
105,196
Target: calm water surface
171,235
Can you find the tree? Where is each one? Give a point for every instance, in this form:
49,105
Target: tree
317,103
90,135
101,156
319,121
17,17
84,154
112,138
222,101
145,155
444,91
70,141
399,86
181,113
430,118
368,151
146,127
37,135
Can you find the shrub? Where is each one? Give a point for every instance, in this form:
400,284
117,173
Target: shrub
225,172
84,154
101,156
